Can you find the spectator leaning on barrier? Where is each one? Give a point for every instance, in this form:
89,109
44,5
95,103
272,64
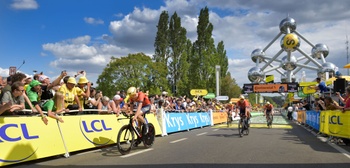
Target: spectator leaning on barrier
15,96
104,106
346,99
84,92
330,104
71,100
32,92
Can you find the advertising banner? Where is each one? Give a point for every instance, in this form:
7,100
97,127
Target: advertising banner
28,138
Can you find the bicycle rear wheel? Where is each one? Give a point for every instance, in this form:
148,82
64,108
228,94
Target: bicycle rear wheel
148,139
246,127
240,127
125,139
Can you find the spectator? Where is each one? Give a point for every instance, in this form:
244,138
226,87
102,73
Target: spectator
346,99
15,97
117,104
32,92
71,100
84,90
321,86
104,106
330,104
46,94
306,105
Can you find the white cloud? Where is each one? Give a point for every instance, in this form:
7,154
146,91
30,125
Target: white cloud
93,21
242,25
24,4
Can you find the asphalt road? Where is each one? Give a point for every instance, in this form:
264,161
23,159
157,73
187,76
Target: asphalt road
286,145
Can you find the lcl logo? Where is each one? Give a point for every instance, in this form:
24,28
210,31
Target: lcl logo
23,135
94,127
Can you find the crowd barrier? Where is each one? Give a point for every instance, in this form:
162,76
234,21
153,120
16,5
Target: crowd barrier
333,123
25,138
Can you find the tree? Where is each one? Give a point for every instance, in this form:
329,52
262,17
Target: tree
133,70
177,44
203,58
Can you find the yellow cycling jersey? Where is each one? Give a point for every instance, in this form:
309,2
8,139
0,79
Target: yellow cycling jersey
69,95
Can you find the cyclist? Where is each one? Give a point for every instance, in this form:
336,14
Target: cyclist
268,108
143,105
243,107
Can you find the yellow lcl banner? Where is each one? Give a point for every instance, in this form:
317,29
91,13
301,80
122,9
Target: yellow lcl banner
199,92
335,123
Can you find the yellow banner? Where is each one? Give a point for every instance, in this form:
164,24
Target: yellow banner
339,124
301,116
307,90
28,138
219,117
199,92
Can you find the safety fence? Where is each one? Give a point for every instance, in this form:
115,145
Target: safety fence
25,137
333,123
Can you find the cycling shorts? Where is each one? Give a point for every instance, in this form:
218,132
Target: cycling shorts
145,109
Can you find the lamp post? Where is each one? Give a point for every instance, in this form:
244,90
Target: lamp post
217,68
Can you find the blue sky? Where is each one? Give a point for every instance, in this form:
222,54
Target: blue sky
74,35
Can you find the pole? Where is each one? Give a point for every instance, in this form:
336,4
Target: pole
217,67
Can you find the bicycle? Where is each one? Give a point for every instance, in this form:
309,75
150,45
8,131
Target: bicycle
229,120
243,126
269,119
126,135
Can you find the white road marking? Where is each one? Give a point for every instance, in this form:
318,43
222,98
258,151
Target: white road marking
202,133
136,153
215,129
178,140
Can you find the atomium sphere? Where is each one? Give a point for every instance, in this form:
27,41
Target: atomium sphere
290,42
288,23
255,75
327,67
285,79
289,65
318,50
258,55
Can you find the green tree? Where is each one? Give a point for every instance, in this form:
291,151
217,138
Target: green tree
203,58
177,44
133,70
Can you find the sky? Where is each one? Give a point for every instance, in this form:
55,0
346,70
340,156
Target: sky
74,35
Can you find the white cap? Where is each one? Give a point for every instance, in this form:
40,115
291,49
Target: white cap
116,97
241,97
164,93
42,77
267,102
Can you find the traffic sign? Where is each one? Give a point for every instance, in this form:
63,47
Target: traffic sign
223,98
199,92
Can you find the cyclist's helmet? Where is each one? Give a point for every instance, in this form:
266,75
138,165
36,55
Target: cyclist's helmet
132,91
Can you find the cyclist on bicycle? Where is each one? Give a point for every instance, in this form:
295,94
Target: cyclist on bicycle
243,107
268,108
143,105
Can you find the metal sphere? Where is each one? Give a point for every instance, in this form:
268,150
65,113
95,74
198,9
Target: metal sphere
288,23
318,50
255,75
289,65
284,77
327,67
257,55
290,42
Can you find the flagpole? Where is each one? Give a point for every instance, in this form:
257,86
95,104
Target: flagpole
24,61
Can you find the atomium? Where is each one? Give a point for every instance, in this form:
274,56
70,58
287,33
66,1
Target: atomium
255,75
258,55
289,65
327,67
288,23
319,50
285,79
290,42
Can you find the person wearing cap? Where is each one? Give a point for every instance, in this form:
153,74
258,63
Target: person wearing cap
15,97
71,100
321,86
32,91
46,101
268,109
117,104
84,90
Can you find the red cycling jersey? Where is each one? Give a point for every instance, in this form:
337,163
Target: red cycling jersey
141,97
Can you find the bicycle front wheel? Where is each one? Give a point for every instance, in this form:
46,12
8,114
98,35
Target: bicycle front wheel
125,140
148,138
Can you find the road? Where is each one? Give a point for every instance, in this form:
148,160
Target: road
286,145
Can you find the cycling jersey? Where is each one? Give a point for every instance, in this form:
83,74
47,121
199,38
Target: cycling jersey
142,98
242,106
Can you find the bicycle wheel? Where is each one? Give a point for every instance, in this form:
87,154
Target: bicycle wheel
148,139
245,126
240,127
229,121
125,140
